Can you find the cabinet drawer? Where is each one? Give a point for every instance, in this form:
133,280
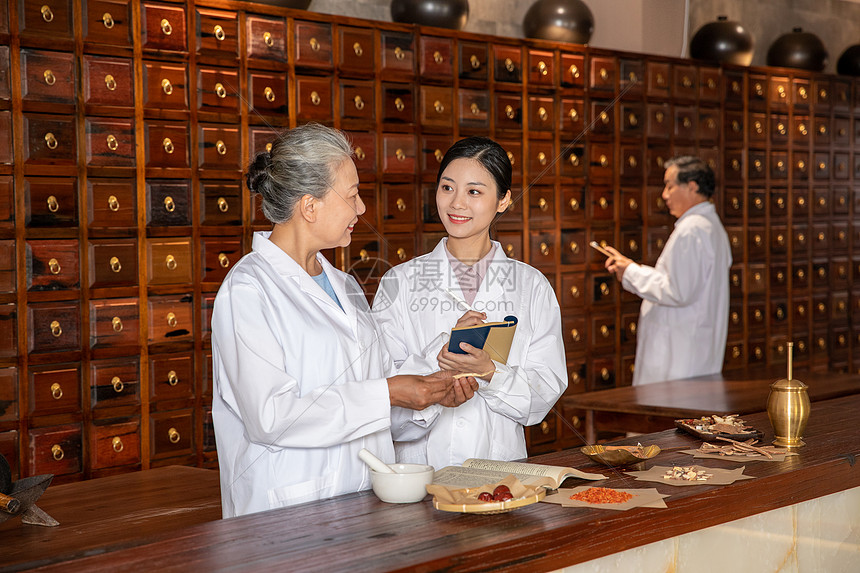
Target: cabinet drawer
401,248
108,81
8,330
266,38
541,156
601,160
573,204
52,265
110,143
685,85
508,63
398,103
220,203
399,204
357,101
49,140
543,433
8,267
168,203
47,77
399,153
166,86
364,144
163,27
217,34
437,106
659,121
313,44
113,262
206,308
5,127
573,161
114,382
543,248
40,20
541,69
170,318
268,92
509,112
573,245
115,444
436,58
603,73
112,203
53,327
575,335
107,22
604,117
573,71
512,243
572,116
398,53
114,323
686,123
171,377
313,99
219,147
50,202
171,433
603,331
219,256
168,261
473,61
433,148
5,70
218,91
541,113
542,204
55,450
657,81
55,389
166,145
8,401
572,290
356,51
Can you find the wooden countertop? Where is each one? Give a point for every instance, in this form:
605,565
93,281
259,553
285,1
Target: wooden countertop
357,532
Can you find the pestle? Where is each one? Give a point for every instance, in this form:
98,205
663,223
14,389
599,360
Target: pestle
375,463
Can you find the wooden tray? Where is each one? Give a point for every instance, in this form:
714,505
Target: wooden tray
491,507
685,426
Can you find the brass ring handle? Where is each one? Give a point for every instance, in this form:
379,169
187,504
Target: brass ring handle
509,112
173,436
359,51
56,330
56,450
113,203
660,79
573,114
166,27
660,243
438,106
780,239
736,317
758,315
172,378
604,75
801,91
50,78
633,120
632,77
169,205
604,204
632,328
758,167
363,256
399,105
112,142
576,421
220,147
633,204
712,83
781,90
509,249
171,320
604,161
780,314
399,53
574,291
542,204
476,63
544,427
759,128
780,202
117,384
574,334
51,140
574,205
544,249
167,145
223,206
604,289
604,117
542,113
437,57
822,344
116,322
220,91
574,247
107,20
822,274
218,32
54,266
474,108
314,44
686,82
633,245
269,94
758,352
822,93
53,204
574,71
574,160
510,158
170,262
604,373
632,161
736,204
401,254
759,89
801,274
780,127
116,444
315,98
801,202
736,126
110,82
223,260
736,352
359,154
604,331
509,65
736,165
401,204
359,103
542,68
801,238
822,166
56,391
47,15
268,39
399,154
659,116
541,157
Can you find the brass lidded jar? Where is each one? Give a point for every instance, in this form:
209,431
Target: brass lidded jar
788,408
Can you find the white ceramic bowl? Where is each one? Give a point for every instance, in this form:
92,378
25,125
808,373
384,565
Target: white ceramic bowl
405,486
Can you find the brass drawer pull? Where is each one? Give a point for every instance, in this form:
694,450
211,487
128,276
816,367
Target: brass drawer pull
660,116
56,391
223,260
170,262
574,71
541,157
167,145
574,160
166,27
736,352
542,204
401,204
223,206
116,444
604,161
633,204
510,158
116,322
398,104
401,254
759,89
54,266
660,243
544,249
359,51
604,117
437,153
631,328
169,205
574,291
47,16
363,256
107,20
53,204
822,93
269,94
801,202
509,112
166,86
574,205
604,373
315,98
437,57
359,103
631,161
173,436
50,78
218,32
314,44
112,142
220,91
171,320
399,53
604,331
476,63
56,330
758,315
399,154
544,427
573,114
574,334
542,113
712,83
604,204
117,384
172,378
576,421
509,65
220,147
113,203
359,154
473,107
687,122
110,82
543,69
780,314
51,140
781,90
604,289
268,39
686,82
801,128
632,120
56,451
604,74
438,106
661,81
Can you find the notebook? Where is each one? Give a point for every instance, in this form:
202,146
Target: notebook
494,337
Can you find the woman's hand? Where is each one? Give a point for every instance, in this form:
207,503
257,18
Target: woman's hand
475,360
418,392
471,318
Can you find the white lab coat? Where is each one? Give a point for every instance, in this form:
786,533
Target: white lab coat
416,315
299,384
684,315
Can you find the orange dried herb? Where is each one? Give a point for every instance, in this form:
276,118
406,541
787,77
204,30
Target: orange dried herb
602,495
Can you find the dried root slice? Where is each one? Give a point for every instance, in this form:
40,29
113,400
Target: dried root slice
473,374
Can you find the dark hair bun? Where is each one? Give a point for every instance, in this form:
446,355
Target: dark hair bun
258,171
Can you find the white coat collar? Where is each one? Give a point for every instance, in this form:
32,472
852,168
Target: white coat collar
703,208
499,277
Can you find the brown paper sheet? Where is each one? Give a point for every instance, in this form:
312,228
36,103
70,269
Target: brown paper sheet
641,498
469,496
720,476
739,458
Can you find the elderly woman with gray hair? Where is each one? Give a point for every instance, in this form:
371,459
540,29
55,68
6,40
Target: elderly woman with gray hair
301,381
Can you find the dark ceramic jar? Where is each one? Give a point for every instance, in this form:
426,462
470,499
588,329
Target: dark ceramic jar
451,14
559,21
798,49
723,41
849,62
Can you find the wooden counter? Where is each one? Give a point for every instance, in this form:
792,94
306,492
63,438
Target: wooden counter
357,532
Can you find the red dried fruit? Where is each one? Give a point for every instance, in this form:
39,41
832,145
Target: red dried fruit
504,496
501,489
485,496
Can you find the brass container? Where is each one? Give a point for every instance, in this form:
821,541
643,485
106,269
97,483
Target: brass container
788,408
